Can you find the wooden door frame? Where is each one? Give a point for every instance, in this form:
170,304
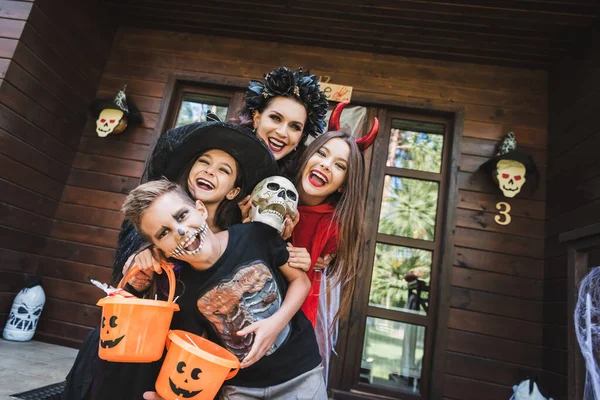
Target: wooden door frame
342,387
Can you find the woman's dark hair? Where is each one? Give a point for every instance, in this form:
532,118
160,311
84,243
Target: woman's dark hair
228,212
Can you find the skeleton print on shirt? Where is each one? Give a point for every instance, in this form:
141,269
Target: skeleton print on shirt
250,295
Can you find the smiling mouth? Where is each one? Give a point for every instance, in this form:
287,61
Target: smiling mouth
182,392
204,184
192,243
317,178
509,189
109,344
275,145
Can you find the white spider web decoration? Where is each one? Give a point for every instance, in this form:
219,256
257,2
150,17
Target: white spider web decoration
587,329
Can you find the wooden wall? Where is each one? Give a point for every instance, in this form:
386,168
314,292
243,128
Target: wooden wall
495,322
573,173
50,66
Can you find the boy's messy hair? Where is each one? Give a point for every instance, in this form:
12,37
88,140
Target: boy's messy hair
142,197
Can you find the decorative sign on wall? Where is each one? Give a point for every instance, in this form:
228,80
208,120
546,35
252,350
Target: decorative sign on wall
114,116
511,170
335,92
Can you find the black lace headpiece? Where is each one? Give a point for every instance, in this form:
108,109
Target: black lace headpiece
300,85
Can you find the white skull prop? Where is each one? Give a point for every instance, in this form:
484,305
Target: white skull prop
271,199
110,121
25,314
511,176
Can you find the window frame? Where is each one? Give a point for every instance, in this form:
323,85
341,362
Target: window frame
344,378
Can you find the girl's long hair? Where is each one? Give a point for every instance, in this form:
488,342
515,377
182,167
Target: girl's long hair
228,212
348,215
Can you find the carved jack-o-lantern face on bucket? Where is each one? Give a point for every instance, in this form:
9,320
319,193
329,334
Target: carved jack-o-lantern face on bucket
185,381
108,341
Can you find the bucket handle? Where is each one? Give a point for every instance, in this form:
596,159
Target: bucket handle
232,373
165,267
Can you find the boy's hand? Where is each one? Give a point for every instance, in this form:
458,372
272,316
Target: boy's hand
265,333
289,225
152,396
147,263
299,257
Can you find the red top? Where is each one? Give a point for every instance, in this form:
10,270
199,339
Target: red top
315,232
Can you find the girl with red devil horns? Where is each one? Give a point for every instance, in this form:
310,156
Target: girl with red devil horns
332,194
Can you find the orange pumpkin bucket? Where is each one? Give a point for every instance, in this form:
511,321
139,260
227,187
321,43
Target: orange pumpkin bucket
135,330
194,368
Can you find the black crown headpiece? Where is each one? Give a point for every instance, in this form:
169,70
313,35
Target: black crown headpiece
300,85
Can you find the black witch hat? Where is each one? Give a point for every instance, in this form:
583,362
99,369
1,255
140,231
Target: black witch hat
178,146
118,103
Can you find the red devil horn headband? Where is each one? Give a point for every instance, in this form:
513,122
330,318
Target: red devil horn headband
364,142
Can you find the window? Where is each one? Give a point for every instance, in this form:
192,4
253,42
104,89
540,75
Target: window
192,103
388,349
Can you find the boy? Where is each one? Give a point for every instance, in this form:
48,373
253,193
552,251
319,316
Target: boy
238,285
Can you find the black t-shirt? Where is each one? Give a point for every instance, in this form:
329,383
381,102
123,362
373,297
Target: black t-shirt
244,286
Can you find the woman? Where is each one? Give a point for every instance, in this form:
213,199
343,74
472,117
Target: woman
284,109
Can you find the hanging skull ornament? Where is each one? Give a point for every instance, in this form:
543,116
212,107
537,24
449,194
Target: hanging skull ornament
272,199
114,116
511,169
110,121
511,177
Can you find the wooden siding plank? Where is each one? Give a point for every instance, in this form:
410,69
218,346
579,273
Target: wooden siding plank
26,199
530,228
101,181
500,327
499,242
498,283
89,216
87,234
500,263
93,198
496,304
109,165
485,202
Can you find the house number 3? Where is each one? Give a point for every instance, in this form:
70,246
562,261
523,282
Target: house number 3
504,217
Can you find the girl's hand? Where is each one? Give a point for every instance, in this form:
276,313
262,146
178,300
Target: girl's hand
152,396
245,205
265,333
299,257
323,262
289,226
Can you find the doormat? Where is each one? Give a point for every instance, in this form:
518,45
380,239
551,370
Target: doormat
50,392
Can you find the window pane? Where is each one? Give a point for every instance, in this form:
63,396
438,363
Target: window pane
408,208
401,279
416,145
392,355
195,106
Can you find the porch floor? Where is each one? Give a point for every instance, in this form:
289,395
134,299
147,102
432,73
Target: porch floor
29,365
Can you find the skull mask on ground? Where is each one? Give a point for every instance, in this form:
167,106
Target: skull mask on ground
511,176
271,199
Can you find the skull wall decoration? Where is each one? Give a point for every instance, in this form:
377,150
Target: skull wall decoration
110,121
511,176
271,199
